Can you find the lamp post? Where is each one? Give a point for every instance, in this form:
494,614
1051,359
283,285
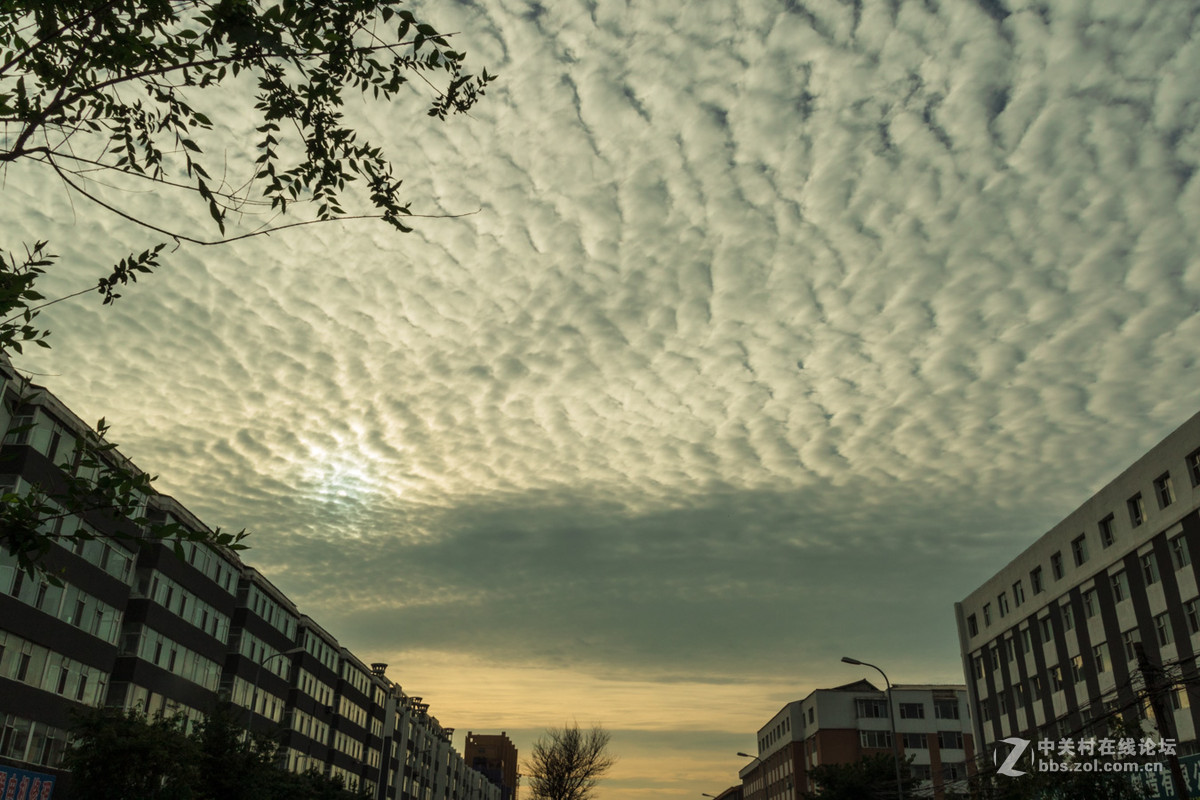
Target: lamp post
763,766
257,675
891,719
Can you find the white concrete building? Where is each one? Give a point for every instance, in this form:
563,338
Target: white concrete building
1050,643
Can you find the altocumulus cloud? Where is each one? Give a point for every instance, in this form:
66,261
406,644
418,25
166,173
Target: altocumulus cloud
763,303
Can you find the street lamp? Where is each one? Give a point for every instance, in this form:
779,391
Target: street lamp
257,675
891,719
763,768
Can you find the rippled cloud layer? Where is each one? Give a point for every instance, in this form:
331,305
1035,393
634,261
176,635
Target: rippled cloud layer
777,327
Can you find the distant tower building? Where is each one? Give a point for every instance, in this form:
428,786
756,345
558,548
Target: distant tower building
496,757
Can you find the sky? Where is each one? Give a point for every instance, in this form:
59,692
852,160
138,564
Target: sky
770,330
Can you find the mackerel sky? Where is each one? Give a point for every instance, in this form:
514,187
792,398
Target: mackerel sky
776,328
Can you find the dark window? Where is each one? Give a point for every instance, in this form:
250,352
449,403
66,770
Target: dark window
1193,616
1035,580
872,708
1120,586
1079,549
1179,552
1163,490
1056,565
945,709
1162,627
1193,467
1107,537
1090,606
1137,510
1149,568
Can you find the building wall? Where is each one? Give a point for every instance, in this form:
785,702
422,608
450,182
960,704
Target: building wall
1049,644
136,626
842,725
496,757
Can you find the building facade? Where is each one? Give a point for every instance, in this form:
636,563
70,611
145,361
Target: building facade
496,757
843,724
1099,619
136,625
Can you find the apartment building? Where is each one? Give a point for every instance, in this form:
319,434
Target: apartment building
1072,632
845,723
136,625
496,757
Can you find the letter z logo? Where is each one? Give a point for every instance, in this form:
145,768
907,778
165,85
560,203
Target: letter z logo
1018,749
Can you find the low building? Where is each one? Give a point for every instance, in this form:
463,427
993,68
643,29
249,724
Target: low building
1062,640
843,724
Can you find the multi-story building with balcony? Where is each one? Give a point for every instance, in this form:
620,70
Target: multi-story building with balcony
1100,617
844,724
129,622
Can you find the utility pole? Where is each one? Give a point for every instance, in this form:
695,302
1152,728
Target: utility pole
1164,720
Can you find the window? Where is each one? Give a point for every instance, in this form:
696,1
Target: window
1100,654
1056,565
915,741
985,711
1192,610
987,613
1130,639
1018,593
1179,552
1107,537
950,740
877,740
954,772
979,666
1137,510
1079,549
1002,702
1068,615
945,709
1076,669
995,658
1162,628
1026,640
1035,580
1056,678
1035,686
912,711
871,708
1089,603
972,626
1010,650
1047,630
1193,467
1149,568
1002,602
1120,586
1163,490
